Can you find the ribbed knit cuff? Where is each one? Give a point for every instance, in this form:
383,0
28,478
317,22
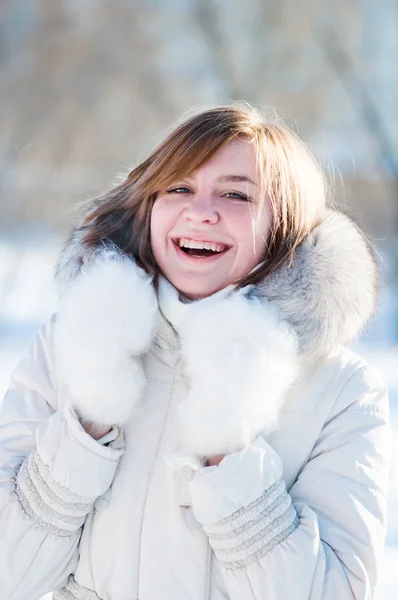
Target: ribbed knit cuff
243,504
254,530
60,479
47,502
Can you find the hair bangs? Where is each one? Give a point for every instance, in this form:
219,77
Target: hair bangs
181,157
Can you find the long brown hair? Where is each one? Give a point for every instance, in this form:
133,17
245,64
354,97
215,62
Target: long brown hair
290,177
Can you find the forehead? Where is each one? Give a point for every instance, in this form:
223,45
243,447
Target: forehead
236,157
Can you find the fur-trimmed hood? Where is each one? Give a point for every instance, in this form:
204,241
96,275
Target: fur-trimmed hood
328,295
108,308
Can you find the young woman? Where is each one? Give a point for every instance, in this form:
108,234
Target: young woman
189,424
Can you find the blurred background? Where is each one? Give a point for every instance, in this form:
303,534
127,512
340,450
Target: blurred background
88,87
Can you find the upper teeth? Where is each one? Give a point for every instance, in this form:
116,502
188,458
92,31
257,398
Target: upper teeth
184,243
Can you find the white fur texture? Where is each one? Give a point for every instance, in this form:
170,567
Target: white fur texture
75,255
241,360
329,293
106,318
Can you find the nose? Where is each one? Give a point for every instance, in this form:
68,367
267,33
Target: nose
201,209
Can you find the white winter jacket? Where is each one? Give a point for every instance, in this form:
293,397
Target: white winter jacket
296,509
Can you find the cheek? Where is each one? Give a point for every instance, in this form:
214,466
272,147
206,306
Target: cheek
262,227
162,222
158,220
253,235
248,230
156,230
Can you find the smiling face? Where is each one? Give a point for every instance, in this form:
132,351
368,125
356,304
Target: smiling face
213,214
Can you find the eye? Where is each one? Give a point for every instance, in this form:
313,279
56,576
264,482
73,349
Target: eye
237,196
179,190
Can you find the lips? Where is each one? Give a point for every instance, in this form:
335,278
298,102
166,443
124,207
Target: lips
177,241
197,258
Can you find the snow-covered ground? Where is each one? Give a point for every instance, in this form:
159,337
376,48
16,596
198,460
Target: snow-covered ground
27,298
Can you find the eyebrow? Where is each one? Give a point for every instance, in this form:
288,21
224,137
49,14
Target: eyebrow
235,179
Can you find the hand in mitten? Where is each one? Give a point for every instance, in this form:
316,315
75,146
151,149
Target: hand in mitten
105,321
241,359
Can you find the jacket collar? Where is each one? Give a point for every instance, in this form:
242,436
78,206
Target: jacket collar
176,310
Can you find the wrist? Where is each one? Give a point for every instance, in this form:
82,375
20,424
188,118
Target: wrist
95,430
214,461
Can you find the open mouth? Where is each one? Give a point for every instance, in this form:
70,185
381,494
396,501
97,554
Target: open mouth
210,250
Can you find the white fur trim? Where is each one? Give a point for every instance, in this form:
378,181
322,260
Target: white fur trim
106,319
241,360
329,293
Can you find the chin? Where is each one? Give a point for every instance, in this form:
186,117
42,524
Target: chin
196,288
198,292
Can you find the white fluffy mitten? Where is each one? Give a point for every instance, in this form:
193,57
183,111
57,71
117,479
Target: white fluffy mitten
105,320
241,360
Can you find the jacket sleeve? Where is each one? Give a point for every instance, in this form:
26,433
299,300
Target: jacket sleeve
51,473
322,540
